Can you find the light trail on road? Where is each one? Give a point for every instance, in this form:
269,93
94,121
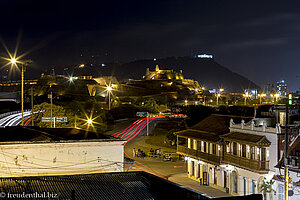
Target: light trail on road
135,128
14,119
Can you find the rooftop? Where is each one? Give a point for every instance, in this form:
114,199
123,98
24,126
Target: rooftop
247,138
19,134
121,185
218,124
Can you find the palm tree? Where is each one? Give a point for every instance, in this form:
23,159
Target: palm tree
267,187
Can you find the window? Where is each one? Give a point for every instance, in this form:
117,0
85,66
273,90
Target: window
199,145
214,149
234,148
191,143
252,151
182,141
205,147
234,181
244,150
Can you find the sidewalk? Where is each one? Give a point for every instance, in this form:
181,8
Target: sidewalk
182,179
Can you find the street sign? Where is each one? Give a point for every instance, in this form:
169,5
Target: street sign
60,119
54,119
142,114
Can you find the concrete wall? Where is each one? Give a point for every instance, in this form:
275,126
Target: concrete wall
25,159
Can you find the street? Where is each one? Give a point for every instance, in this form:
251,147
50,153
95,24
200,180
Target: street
135,134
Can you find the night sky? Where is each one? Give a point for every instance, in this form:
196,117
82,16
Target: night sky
257,39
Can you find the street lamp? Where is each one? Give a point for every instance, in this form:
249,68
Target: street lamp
246,96
276,96
260,96
89,121
272,97
109,89
218,95
14,61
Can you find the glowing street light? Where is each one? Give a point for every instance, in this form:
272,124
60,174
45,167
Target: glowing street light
89,121
13,61
260,96
109,89
218,95
276,96
246,95
221,90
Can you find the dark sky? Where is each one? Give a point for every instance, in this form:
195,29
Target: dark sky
258,39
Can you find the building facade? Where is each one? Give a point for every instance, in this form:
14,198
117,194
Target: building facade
35,158
236,162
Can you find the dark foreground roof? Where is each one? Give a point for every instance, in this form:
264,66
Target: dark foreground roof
19,133
106,186
122,185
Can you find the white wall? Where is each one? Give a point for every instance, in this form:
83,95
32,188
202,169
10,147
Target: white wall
23,159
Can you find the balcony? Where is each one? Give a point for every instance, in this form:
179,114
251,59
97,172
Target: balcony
211,158
253,165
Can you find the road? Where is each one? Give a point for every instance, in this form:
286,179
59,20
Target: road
134,134
14,119
135,129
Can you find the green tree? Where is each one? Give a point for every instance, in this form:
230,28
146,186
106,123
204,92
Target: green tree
44,110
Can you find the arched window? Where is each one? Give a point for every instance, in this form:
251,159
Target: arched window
234,181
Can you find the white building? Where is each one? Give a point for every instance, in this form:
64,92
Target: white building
237,161
62,157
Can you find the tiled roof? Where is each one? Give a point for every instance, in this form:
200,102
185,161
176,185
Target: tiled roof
247,138
202,135
218,124
211,127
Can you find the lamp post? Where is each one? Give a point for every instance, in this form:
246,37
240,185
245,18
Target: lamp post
109,89
260,96
218,95
14,61
276,96
246,96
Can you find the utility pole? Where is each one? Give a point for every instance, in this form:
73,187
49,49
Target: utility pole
147,124
51,110
286,144
32,120
22,94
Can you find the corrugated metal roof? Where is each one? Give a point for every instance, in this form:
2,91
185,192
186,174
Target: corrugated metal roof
93,186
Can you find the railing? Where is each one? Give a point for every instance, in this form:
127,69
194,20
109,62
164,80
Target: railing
254,165
198,154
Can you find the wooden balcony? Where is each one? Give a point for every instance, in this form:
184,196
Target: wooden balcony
211,158
252,165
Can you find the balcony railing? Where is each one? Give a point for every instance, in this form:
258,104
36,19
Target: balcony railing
253,165
198,154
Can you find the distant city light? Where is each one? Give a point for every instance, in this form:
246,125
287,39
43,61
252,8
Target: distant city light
154,59
81,66
103,65
204,56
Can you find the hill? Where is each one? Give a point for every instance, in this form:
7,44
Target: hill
206,71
